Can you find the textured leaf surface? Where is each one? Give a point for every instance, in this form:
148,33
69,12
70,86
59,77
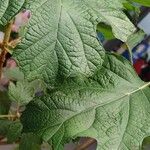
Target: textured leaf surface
4,103
13,74
14,132
112,107
8,9
61,37
4,125
22,92
30,141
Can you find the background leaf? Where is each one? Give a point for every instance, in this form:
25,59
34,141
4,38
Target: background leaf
13,74
143,2
21,93
4,125
30,141
4,103
105,30
135,39
14,132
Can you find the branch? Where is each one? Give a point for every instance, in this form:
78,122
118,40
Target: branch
4,45
86,145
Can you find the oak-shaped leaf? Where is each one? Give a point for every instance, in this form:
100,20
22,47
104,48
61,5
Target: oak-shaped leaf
112,106
61,37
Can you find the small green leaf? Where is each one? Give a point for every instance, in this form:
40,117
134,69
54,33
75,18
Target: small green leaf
14,132
38,86
21,93
14,74
30,141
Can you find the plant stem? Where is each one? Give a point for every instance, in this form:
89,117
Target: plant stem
85,145
4,45
8,116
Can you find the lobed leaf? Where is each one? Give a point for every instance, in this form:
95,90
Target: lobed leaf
61,37
112,107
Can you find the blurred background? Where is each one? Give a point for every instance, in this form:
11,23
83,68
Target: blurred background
141,51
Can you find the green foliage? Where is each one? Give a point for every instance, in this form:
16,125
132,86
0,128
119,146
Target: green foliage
13,74
85,91
63,39
22,92
11,130
112,106
135,39
4,103
8,9
143,2
146,143
30,141
14,132
106,30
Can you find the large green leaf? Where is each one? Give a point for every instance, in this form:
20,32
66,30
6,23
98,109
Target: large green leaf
112,107
8,9
61,37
